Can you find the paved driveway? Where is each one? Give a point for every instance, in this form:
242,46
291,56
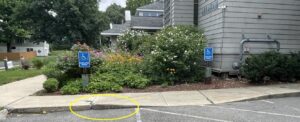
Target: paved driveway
269,110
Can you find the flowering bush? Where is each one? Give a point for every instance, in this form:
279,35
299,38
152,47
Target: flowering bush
132,40
117,69
122,58
176,55
66,68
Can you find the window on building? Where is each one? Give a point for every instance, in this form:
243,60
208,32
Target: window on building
150,14
29,49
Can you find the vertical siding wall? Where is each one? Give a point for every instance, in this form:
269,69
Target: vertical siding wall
183,12
213,25
178,12
168,12
224,27
279,18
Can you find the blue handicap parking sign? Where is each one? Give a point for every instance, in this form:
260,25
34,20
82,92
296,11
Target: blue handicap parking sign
84,59
208,54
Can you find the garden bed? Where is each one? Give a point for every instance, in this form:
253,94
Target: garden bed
180,87
216,84
168,58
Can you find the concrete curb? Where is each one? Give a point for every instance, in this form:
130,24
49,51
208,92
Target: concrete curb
41,110
283,95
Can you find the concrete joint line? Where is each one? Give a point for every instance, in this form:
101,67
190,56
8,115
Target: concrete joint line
92,103
206,97
186,115
164,98
7,106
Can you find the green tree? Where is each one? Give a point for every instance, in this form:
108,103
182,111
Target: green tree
12,28
66,20
115,13
132,5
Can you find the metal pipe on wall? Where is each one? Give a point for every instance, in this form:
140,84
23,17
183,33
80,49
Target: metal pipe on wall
249,40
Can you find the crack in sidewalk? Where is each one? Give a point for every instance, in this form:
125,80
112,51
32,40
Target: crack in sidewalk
206,97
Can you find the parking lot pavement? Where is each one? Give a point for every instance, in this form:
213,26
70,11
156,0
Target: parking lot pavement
269,110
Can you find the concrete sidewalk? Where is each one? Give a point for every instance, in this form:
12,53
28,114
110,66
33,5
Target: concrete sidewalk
15,91
38,104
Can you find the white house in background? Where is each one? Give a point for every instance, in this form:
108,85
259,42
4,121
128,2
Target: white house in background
42,48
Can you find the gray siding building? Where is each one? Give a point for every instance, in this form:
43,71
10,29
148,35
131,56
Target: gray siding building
178,12
227,22
148,18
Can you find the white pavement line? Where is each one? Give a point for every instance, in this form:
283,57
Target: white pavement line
266,101
138,116
185,115
296,109
258,112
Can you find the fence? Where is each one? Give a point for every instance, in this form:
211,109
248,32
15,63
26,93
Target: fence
18,55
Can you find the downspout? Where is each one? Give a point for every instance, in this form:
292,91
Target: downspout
223,31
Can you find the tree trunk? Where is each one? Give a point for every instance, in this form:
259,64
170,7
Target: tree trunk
8,47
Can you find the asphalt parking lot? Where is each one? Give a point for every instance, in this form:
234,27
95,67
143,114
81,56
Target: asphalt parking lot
269,110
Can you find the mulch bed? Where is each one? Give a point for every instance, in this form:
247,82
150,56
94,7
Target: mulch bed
191,86
215,84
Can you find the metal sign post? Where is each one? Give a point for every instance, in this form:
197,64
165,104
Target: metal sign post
208,58
84,60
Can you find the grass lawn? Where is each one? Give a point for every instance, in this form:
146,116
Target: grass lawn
17,74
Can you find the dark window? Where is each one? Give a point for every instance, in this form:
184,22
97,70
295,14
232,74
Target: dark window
196,12
29,49
150,14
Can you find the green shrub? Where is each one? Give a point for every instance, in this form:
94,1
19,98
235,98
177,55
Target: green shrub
294,65
51,71
66,68
25,64
37,63
175,56
136,81
96,63
69,66
132,40
51,85
96,87
108,77
73,87
271,64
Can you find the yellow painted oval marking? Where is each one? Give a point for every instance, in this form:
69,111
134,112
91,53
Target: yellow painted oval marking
104,95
